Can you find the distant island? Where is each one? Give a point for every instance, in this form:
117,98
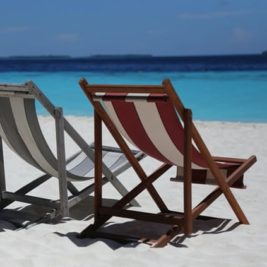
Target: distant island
66,57
42,57
121,57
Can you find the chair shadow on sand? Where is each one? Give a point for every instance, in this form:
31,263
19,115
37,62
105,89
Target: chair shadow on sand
132,228
31,215
25,217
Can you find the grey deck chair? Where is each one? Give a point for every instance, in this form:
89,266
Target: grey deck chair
20,129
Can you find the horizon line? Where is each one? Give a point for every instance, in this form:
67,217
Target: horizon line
126,55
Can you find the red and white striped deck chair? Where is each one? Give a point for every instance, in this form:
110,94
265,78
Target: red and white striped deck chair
154,119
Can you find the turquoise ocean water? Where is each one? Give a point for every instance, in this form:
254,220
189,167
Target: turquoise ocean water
212,95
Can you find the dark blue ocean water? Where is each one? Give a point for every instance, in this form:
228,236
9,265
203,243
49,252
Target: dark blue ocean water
225,88
136,63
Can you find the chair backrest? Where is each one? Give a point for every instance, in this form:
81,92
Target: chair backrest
20,129
148,120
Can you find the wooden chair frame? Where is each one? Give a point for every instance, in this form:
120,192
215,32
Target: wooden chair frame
180,222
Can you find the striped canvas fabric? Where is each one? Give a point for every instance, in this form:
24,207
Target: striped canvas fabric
150,122
20,129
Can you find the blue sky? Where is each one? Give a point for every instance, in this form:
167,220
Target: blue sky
158,27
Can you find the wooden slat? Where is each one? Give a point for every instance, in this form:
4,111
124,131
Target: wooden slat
30,199
131,98
26,189
230,160
121,88
13,88
15,94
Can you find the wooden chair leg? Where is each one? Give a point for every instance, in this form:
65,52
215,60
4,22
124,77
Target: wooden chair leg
225,188
188,172
205,203
2,170
98,166
63,186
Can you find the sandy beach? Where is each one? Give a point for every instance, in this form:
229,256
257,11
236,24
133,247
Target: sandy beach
25,240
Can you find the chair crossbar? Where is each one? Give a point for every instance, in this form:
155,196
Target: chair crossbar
131,97
14,88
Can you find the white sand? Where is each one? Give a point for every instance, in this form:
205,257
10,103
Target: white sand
217,243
